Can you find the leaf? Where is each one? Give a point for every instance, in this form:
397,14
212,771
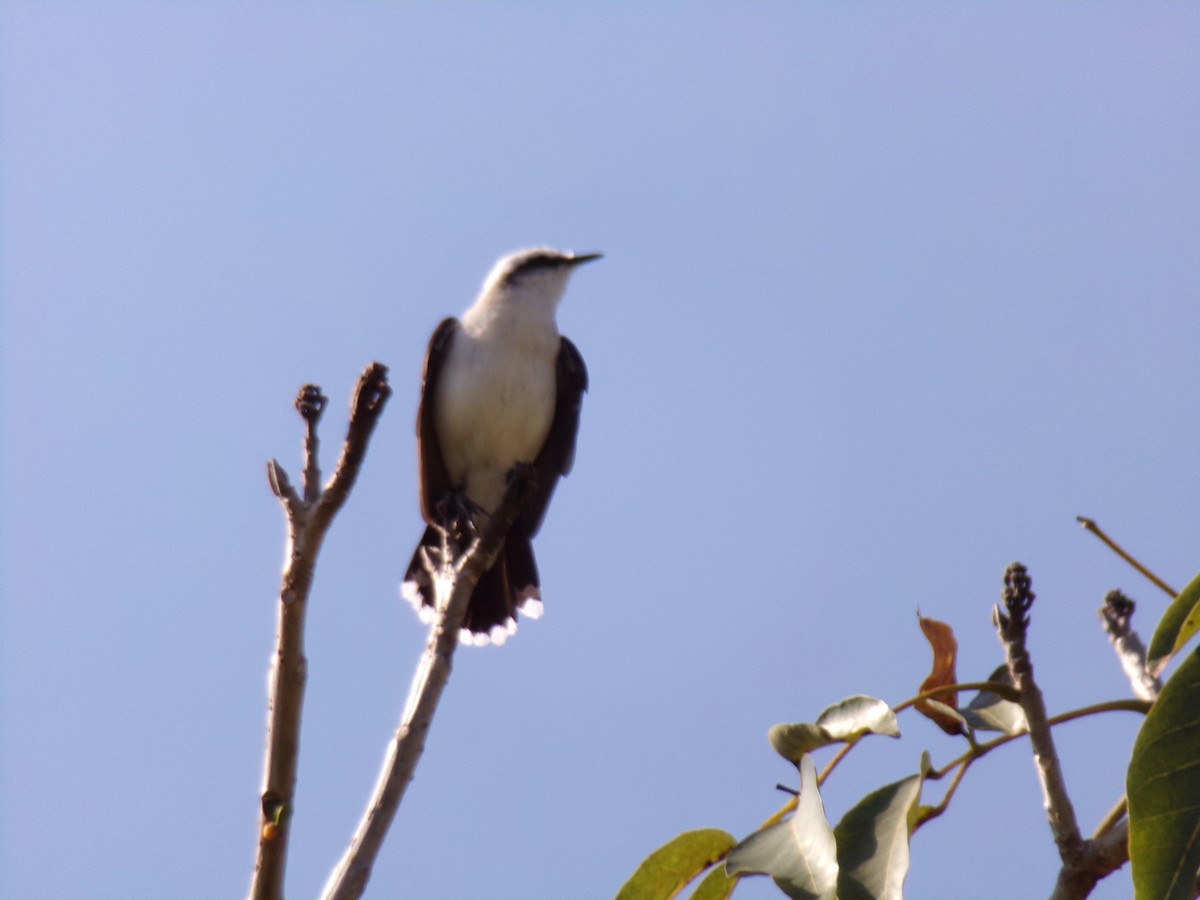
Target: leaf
666,871
857,715
799,853
991,712
921,813
945,656
926,765
716,885
793,741
841,722
1176,627
872,842
949,719
1163,785
945,653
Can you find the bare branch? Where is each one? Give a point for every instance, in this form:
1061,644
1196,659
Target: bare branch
307,521
1101,857
370,395
1013,626
1108,852
454,582
1116,548
1117,616
1084,862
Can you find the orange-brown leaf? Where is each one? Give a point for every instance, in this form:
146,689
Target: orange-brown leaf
945,658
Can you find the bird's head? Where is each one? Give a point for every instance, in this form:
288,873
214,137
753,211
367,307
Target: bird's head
539,272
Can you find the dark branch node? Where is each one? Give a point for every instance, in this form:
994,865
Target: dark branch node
310,403
272,806
1017,598
1117,613
372,391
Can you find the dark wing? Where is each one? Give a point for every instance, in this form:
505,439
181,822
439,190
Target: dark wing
559,451
431,468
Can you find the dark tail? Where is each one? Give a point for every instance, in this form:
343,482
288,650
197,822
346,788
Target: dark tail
510,586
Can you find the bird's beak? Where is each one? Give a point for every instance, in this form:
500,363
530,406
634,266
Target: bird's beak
578,259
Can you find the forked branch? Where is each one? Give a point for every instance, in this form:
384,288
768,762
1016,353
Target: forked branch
308,518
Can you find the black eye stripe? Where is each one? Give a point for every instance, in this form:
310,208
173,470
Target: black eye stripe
540,262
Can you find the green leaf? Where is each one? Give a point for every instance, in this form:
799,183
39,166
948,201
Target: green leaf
799,853
872,842
716,885
1176,627
839,723
1163,785
991,712
666,871
921,813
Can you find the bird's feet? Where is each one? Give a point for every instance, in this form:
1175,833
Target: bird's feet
458,517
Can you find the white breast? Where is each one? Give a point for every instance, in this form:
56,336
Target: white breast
495,403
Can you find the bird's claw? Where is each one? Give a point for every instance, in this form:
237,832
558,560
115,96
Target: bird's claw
457,516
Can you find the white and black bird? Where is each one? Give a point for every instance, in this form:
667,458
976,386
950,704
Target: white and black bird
501,387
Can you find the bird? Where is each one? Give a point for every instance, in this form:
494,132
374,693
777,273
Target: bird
501,389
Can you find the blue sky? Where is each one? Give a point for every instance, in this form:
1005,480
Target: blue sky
891,294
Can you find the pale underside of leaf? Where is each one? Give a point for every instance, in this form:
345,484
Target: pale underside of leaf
841,722
800,854
988,711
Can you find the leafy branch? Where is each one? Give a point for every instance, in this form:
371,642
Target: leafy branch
867,854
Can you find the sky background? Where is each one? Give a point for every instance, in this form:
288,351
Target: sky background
891,293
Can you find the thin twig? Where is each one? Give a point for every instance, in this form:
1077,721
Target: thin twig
934,812
453,584
1138,706
307,521
1095,529
1112,818
1001,688
838,757
310,403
